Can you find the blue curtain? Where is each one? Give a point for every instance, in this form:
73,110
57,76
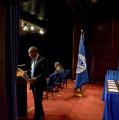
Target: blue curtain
12,38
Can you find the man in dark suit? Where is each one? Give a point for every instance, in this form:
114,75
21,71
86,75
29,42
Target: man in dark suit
37,80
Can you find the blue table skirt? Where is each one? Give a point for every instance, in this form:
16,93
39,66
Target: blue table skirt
111,104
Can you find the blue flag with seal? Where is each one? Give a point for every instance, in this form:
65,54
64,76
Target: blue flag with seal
81,71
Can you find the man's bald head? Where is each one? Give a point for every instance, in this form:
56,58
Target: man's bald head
33,51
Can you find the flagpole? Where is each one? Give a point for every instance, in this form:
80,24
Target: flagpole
79,90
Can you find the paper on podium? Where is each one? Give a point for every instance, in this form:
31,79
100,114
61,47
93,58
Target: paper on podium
21,73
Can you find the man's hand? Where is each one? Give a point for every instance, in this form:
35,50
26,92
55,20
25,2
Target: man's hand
25,76
33,80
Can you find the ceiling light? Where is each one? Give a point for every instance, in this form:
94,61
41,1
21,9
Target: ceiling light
25,28
41,31
32,27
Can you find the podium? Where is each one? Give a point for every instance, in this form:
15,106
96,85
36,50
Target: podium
21,94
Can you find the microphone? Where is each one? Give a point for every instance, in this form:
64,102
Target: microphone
21,65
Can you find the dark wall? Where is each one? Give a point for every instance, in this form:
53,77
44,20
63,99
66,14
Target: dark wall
103,48
99,50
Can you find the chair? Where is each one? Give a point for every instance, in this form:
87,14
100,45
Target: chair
66,75
50,85
53,84
58,81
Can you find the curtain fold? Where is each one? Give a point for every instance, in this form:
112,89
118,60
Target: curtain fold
12,38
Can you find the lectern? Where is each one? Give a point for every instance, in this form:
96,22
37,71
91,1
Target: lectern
21,93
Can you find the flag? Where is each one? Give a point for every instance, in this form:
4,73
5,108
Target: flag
81,71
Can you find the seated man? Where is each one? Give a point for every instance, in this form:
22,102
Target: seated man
55,78
58,67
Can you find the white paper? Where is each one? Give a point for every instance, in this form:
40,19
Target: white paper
113,90
111,80
114,87
111,84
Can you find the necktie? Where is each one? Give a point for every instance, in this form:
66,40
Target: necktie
32,68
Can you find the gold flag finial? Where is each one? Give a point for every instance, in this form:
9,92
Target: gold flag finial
81,31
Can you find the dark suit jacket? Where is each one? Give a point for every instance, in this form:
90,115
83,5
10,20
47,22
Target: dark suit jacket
40,72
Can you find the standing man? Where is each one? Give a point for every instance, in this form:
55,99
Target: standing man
37,80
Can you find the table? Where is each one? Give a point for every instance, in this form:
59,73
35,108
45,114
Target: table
111,103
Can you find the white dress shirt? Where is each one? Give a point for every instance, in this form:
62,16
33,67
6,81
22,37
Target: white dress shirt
33,63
